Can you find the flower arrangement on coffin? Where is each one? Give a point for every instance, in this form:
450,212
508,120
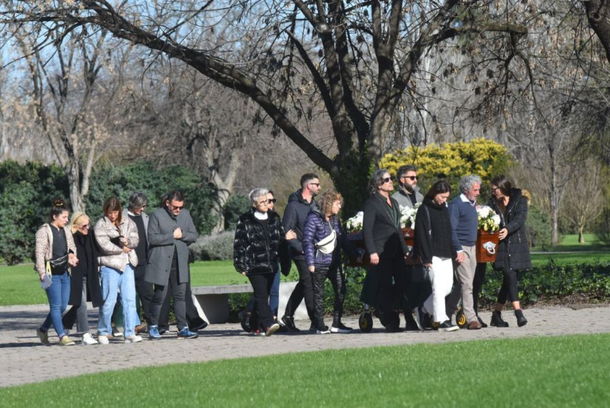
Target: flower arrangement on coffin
489,221
354,224
407,216
487,236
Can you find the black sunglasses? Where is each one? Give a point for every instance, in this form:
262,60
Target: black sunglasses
271,201
410,177
385,180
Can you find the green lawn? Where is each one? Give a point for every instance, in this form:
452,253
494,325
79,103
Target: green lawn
588,257
570,243
19,284
532,372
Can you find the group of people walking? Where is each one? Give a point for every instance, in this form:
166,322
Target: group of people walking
129,256
124,254
426,282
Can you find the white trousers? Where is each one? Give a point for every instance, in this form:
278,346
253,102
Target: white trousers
441,277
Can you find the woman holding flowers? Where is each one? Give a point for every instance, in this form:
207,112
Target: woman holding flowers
513,249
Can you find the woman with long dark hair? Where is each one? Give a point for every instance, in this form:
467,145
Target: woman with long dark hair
434,244
55,254
85,279
513,252
117,237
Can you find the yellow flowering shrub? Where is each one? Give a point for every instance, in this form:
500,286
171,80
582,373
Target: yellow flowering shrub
451,161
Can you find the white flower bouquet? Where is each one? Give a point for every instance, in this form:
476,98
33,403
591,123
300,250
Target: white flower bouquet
354,224
407,216
488,219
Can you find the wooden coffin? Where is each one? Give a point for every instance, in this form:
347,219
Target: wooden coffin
487,245
358,240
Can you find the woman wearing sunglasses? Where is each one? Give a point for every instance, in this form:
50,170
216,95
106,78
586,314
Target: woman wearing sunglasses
387,248
84,284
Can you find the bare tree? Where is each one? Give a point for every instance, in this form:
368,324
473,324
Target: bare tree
585,200
360,57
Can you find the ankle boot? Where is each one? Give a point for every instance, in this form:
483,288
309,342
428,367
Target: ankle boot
521,320
496,320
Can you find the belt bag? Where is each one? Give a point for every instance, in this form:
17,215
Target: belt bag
59,263
328,244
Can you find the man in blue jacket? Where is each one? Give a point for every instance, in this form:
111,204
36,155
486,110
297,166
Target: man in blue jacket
299,204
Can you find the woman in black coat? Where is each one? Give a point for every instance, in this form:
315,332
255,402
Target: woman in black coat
513,252
257,241
387,248
84,284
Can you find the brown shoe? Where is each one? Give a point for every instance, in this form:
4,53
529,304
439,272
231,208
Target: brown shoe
474,325
143,328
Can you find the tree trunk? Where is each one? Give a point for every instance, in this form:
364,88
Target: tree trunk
581,236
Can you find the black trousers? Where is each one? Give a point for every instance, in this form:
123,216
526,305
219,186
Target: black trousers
144,290
337,279
161,292
392,274
261,283
509,287
477,284
303,290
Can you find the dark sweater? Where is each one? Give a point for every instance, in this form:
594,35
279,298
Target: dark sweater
464,221
142,248
440,243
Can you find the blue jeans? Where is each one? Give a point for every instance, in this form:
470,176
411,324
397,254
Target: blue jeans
58,294
112,281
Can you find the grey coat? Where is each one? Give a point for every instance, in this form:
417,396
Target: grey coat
161,226
404,201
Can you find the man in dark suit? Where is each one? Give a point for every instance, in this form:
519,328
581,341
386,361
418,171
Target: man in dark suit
386,245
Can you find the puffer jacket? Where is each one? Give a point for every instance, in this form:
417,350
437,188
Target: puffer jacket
44,247
513,251
107,236
253,251
317,228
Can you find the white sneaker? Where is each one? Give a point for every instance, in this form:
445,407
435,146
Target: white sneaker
133,339
88,339
103,339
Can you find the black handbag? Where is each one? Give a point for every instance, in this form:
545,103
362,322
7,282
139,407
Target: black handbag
59,264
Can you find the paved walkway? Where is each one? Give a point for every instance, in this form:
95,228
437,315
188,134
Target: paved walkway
24,360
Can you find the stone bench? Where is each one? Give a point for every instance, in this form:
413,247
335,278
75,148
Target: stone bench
212,302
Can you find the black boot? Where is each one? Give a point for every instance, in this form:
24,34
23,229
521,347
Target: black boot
496,320
521,320
337,326
289,323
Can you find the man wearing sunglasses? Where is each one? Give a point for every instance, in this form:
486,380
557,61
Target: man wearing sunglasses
170,231
408,193
300,203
